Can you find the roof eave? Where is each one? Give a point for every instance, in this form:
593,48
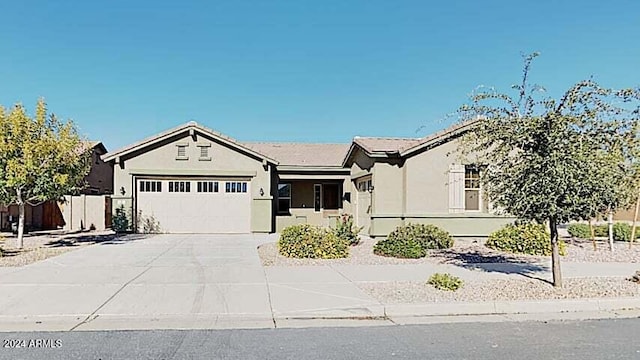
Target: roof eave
171,132
436,140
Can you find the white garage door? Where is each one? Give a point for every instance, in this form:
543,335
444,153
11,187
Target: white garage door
196,206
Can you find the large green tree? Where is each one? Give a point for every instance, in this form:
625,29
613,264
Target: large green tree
41,158
553,160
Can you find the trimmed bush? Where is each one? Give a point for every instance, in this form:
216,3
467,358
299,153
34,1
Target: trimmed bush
311,242
580,231
345,229
445,281
530,239
400,248
413,241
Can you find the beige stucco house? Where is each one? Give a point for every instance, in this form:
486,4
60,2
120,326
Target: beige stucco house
192,179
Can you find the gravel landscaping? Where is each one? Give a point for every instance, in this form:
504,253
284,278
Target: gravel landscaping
40,247
464,251
494,289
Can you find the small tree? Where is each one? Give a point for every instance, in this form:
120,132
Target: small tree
42,159
552,161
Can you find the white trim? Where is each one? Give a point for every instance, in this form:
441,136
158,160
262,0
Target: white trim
479,189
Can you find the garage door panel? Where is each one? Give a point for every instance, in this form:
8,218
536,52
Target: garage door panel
198,212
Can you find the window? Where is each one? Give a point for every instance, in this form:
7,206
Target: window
284,198
471,188
207,186
182,152
236,187
331,196
150,186
179,186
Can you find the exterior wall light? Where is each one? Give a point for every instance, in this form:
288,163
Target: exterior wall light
261,192
122,190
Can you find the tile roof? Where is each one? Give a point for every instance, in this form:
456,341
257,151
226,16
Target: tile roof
381,144
302,154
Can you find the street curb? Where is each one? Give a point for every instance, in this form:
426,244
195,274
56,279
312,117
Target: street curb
512,307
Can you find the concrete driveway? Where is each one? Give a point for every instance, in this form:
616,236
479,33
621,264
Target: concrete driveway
170,281
131,283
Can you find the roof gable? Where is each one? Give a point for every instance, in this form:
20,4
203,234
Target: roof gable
190,127
381,147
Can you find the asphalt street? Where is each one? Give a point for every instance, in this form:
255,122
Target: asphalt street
596,339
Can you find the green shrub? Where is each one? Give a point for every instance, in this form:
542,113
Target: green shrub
312,242
400,248
621,231
428,236
530,239
413,241
445,281
345,229
601,230
120,222
580,231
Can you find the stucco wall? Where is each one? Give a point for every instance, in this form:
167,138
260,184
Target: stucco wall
362,164
388,193
476,225
427,177
83,212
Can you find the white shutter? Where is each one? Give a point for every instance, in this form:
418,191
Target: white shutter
456,188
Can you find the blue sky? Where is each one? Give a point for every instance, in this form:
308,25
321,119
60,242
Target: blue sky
315,71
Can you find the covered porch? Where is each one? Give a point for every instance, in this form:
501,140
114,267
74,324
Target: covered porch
311,198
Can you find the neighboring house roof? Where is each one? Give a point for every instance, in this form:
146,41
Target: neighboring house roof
192,125
302,154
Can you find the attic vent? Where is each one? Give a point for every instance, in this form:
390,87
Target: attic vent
182,152
204,151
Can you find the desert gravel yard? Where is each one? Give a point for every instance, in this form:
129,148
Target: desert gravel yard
472,251
41,247
464,251
497,289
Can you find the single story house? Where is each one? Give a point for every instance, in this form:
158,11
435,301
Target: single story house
192,179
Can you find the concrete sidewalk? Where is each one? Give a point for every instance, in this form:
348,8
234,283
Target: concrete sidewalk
217,281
